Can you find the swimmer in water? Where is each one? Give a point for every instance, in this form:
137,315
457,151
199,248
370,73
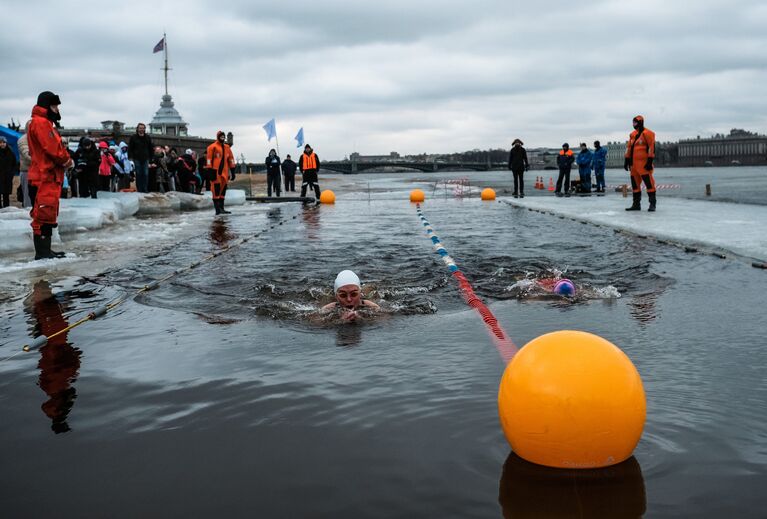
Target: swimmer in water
558,285
349,301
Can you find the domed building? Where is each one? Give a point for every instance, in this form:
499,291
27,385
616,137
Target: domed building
167,121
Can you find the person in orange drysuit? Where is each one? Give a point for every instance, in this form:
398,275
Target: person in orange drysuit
221,161
50,159
640,154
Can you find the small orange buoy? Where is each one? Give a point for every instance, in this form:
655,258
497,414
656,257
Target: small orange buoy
488,194
416,195
327,197
572,399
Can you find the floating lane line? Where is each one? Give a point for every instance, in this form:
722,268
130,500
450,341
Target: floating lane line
502,342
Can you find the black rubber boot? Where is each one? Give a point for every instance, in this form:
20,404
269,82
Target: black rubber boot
221,205
636,205
651,196
216,206
54,253
42,247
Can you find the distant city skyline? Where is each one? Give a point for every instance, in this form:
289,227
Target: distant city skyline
433,77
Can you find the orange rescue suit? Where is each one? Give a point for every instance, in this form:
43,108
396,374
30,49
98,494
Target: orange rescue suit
221,160
643,148
46,172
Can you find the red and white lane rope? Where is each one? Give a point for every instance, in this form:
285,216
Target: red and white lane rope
502,342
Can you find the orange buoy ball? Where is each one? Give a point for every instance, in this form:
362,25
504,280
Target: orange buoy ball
416,195
488,194
572,399
327,197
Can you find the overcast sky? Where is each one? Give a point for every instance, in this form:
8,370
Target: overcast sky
407,76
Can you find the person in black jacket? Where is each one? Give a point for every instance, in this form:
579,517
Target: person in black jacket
7,170
272,173
186,167
140,150
289,173
518,165
87,168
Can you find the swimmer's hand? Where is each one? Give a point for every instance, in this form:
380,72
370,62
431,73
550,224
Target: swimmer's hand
349,315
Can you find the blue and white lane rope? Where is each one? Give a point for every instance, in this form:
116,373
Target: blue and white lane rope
502,342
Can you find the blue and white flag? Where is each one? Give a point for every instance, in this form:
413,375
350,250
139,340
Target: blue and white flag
160,46
271,129
300,138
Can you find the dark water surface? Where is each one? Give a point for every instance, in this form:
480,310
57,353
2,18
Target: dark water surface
216,395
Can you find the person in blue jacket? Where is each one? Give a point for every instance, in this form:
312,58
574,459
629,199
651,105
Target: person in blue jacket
599,161
584,167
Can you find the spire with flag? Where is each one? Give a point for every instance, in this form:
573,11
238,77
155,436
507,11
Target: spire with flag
300,138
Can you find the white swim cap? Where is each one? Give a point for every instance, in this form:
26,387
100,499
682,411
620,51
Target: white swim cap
346,277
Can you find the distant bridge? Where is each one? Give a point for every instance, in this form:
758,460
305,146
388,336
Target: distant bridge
348,167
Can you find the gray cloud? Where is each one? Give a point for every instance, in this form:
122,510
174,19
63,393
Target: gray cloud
407,76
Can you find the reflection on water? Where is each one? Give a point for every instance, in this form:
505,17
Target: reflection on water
220,235
59,361
643,307
529,490
348,335
310,216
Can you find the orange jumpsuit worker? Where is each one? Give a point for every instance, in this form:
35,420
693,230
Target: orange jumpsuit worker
640,154
221,162
49,160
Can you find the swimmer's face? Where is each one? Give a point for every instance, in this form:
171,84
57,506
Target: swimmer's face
348,296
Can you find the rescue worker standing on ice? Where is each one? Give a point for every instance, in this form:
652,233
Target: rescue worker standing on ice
220,161
50,159
584,168
599,161
309,165
640,154
565,162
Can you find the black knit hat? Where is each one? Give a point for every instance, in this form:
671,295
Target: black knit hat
47,99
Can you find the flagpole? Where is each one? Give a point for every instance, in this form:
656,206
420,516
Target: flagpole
165,48
277,140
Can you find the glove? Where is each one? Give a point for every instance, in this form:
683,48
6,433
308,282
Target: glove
527,167
626,163
232,176
648,164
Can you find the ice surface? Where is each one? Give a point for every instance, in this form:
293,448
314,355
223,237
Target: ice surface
739,228
82,214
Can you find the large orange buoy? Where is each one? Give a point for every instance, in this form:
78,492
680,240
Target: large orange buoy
327,197
572,399
488,194
416,195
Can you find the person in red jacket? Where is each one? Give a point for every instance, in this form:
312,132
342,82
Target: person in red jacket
640,154
220,161
50,160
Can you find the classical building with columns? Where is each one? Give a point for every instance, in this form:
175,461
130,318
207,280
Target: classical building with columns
738,148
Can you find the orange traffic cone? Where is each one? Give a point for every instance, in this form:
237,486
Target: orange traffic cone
536,183
540,183
551,184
